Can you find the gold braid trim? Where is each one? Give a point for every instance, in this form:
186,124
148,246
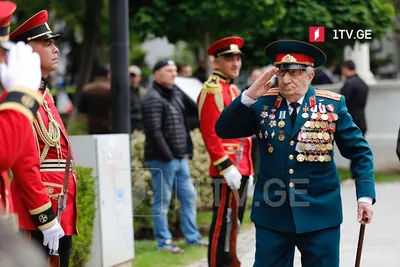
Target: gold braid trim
50,137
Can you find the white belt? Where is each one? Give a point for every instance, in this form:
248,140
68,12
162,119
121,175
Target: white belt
54,165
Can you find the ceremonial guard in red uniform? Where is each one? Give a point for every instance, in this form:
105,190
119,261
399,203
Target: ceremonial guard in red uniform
20,76
231,163
49,150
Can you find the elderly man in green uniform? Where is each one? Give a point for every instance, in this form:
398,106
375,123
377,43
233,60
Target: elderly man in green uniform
297,201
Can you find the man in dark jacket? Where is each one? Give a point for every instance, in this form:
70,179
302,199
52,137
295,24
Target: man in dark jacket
95,102
355,90
168,146
137,93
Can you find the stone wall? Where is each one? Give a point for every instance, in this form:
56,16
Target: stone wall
383,122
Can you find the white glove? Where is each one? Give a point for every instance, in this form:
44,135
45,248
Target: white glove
52,236
22,68
233,178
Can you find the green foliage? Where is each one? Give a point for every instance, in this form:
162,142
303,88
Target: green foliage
82,244
141,181
264,21
189,20
77,127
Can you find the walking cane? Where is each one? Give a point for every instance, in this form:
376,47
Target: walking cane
360,242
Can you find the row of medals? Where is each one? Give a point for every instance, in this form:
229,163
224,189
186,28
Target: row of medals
315,137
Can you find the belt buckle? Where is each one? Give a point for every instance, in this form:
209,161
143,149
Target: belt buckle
11,220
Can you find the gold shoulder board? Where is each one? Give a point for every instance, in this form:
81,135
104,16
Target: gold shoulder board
212,85
272,91
328,94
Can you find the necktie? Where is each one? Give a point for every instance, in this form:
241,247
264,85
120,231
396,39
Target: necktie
294,112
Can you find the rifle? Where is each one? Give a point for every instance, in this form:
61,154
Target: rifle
360,242
53,259
232,219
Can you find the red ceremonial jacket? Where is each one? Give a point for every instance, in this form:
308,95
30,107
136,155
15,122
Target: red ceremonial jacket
17,111
217,93
49,164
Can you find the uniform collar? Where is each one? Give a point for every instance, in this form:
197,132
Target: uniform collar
43,84
222,76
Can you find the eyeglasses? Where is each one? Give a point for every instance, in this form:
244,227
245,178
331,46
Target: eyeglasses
292,72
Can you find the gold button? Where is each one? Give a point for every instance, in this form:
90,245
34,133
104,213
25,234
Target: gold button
291,184
291,143
6,192
291,171
291,157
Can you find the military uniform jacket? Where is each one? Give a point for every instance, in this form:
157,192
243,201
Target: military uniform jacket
16,113
216,94
49,163
297,187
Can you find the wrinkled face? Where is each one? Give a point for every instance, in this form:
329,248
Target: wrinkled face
293,82
229,65
166,76
48,53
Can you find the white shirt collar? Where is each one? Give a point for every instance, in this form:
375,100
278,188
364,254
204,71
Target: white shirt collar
300,101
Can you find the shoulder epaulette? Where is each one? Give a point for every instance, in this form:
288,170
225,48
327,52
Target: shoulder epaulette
272,91
328,94
212,85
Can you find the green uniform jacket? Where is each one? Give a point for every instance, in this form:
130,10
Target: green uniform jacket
297,187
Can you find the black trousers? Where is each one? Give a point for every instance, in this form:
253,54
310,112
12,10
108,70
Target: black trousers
217,257
64,247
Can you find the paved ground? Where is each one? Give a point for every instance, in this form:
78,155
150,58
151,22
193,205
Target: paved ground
382,236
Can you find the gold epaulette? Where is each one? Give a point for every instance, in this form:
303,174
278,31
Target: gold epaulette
212,85
328,94
272,91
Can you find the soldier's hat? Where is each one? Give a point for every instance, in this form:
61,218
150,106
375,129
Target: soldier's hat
293,54
225,46
7,8
35,28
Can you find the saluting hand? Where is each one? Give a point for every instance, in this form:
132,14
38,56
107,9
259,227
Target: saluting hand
261,85
22,68
364,211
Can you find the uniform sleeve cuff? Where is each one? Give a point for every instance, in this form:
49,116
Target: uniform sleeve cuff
43,216
223,164
22,100
365,199
247,101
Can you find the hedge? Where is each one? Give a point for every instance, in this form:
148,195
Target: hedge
86,199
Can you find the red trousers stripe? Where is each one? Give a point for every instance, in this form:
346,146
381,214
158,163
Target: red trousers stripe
217,230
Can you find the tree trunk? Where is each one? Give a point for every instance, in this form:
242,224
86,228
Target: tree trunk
207,43
91,33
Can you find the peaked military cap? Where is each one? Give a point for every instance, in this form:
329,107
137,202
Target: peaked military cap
293,54
35,28
7,8
227,45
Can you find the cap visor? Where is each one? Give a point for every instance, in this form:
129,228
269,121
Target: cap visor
291,66
48,36
230,53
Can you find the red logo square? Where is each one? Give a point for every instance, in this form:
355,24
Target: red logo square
316,34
